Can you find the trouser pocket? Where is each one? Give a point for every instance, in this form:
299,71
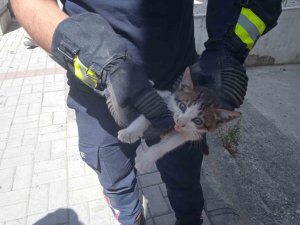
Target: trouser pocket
90,155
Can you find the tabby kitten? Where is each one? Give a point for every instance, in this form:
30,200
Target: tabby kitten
194,112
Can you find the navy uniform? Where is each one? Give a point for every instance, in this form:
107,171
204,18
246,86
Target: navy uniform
159,36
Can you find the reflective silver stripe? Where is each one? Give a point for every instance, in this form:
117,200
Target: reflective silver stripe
249,27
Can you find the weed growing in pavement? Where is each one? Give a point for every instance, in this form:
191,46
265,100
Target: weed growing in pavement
229,136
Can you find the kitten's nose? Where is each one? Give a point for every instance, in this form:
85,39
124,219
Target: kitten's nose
178,126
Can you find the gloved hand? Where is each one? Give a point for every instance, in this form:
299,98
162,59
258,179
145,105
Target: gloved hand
218,69
88,47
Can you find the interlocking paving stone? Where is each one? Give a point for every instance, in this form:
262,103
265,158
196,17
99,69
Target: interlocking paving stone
13,212
84,195
15,222
22,178
13,197
156,202
38,201
150,179
48,177
6,179
57,194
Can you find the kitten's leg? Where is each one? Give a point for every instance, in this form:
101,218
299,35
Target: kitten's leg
147,156
134,131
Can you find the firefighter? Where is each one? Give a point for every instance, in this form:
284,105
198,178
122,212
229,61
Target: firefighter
118,46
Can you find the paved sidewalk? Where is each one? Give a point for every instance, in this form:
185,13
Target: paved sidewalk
42,177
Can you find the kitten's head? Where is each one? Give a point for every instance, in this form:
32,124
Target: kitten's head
196,109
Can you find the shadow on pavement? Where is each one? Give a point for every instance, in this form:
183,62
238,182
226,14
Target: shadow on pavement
60,216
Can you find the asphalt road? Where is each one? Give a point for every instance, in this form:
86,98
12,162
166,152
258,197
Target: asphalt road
262,185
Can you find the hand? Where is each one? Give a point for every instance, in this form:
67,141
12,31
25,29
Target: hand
88,47
218,69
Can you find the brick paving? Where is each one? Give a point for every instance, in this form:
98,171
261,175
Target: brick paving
42,177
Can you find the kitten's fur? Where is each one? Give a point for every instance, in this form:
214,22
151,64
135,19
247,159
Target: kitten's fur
195,114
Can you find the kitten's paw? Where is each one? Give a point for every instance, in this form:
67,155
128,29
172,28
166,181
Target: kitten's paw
126,136
144,160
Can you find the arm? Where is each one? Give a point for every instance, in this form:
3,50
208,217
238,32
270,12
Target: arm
240,23
87,47
39,18
233,28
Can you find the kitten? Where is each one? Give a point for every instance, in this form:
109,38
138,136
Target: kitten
194,112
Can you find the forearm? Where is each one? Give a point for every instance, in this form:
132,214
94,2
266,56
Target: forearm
39,18
241,24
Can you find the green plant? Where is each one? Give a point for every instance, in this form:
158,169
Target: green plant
229,136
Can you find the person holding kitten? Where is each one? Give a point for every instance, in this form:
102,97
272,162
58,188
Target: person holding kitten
112,48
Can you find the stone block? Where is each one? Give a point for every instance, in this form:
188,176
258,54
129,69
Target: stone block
75,168
46,119
83,182
42,151
48,177
168,219
13,197
85,195
49,165
38,201
18,151
58,149
17,161
58,194
60,117
21,221
22,178
157,203
13,212
6,179
150,179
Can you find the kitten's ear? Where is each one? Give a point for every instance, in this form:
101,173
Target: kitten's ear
223,116
187,82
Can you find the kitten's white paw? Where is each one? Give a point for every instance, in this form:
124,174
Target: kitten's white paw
126,136
144,160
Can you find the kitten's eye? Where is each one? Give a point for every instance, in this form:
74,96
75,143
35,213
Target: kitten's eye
182,107
197,121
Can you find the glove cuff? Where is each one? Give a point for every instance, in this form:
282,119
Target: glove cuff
89,37
155,110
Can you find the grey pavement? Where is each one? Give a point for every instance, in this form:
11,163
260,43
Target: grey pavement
44,181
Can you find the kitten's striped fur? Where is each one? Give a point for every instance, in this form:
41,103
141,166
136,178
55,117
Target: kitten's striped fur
195,113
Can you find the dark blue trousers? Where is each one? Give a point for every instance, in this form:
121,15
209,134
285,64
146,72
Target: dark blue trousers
114,163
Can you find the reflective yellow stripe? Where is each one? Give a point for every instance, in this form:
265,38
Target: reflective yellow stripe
78,72
84,74
244,36
249,27
260,25
91,73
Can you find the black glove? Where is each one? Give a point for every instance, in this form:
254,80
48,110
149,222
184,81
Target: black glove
88,47
218,69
